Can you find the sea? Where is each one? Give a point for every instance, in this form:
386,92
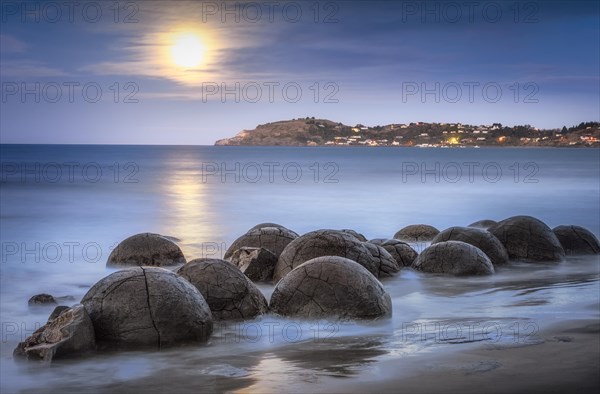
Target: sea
63,208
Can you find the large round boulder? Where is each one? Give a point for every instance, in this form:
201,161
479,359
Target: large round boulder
484,224
146,249
331,287
147,306
577,240
274,239
263,225
257,264
417,233
402,252
528,239
484,240
356,235
228,292
383,259
330,243
454,258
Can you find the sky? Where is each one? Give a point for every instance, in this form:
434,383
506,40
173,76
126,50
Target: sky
179,72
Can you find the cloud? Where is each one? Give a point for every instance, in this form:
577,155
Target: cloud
10,44
29,69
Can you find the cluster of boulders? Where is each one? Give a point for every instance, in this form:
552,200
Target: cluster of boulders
321,274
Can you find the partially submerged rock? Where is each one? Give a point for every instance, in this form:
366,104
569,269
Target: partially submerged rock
42,299
383,259
402,252
484,240
147,306
69,334
454,258
331,287
417,233
484,224
228,292
146,249
274,239
327,243
577,240
528,239
257,264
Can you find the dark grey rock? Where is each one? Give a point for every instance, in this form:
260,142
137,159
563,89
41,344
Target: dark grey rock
257,264
69,334
378,241
147,306
146,249
263,225
57,311
484,224
383,259
402,252
331,287
356,235
577,240
454,258
326,243
417,233
484,240
42,299
228,292
272,238
528,239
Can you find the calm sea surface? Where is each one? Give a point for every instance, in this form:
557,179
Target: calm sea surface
63,208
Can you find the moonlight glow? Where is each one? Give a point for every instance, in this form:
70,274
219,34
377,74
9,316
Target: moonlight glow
187,51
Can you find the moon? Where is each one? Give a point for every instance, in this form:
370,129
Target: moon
187,50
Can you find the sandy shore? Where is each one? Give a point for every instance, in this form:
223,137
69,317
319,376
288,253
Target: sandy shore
567,359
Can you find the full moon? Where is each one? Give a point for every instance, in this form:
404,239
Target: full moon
187,51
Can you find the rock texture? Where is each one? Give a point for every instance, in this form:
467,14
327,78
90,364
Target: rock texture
146,249
274,239
528,239
577,240
484,224
402,252
484,240
228,292
417,233
57,311
42,299
383,259
329,243
69,334
331,287
263,225
257,264
454,258
147,306
357,235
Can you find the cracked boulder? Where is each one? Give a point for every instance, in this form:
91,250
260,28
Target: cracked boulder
528,239
454,258
146,249
147,307
484,224
331,287
417,233
383,259
257,264
577,240
402,252
356,235
228,292
328,243
263,225
69,334
42,299
484,240
274,239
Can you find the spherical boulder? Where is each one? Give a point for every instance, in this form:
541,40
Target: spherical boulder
528,239
263,225
454,258
484,240
484,224
326,243
228,292
257,264
146,249
147,306
331,287
383,259
42,299
577,240
274,239
402,252
356,235
417,233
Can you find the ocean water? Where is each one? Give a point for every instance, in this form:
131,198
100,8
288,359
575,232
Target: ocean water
63,209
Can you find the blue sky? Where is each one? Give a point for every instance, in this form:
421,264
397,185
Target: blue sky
479,62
